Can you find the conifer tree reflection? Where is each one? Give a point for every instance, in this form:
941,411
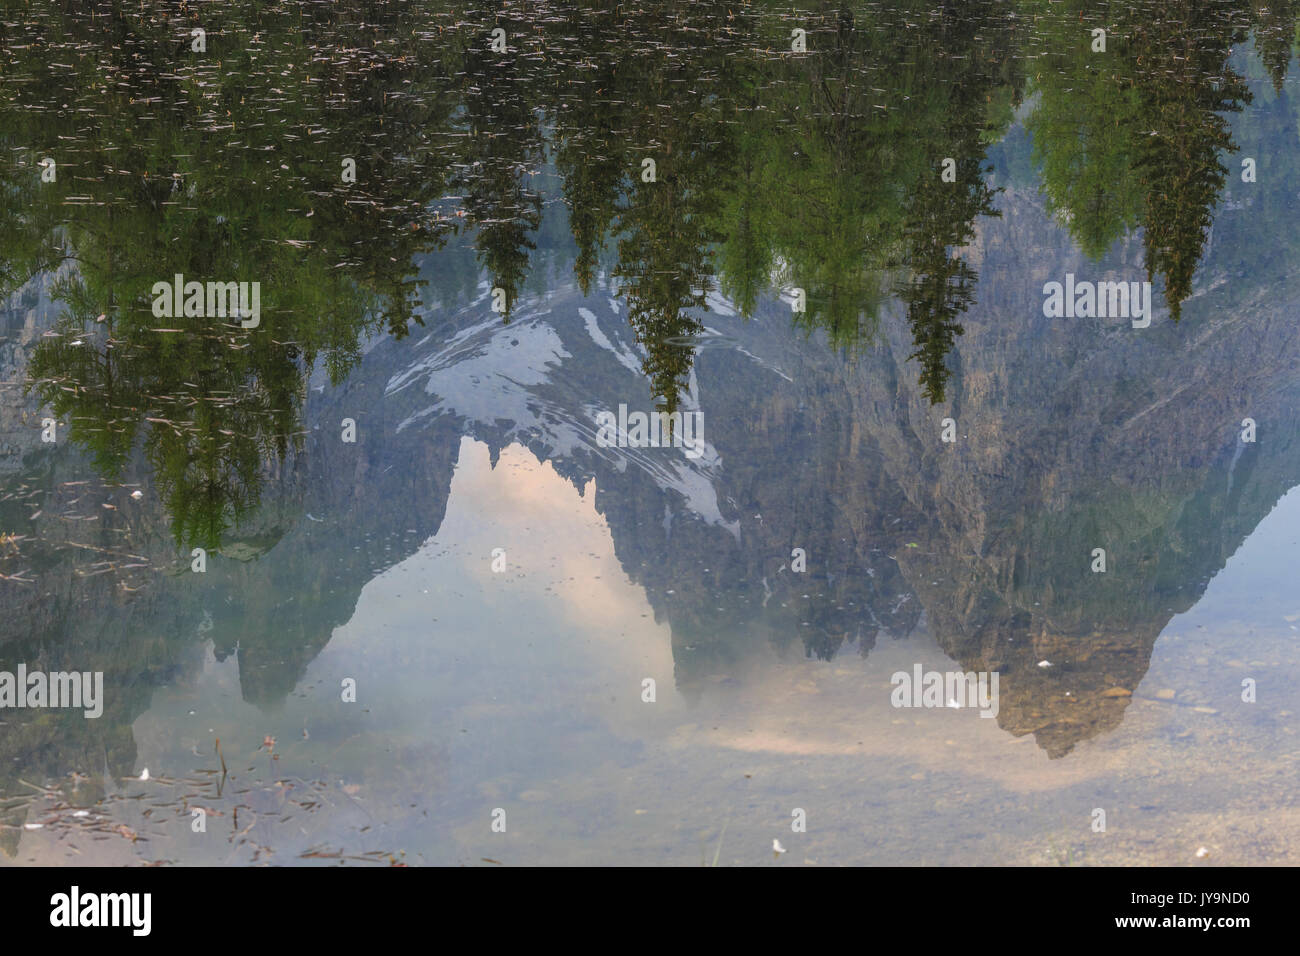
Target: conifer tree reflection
834,173
1188,88
941,214
1135,137
590,130
155,191
667,223
502,147
1275,36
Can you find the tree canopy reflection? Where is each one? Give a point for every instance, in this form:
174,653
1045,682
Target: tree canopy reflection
774,169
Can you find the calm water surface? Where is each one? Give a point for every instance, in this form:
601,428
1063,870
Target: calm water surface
826,261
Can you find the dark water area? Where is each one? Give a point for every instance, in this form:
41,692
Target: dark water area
570,432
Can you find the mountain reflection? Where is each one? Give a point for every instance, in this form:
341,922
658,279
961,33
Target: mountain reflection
525,172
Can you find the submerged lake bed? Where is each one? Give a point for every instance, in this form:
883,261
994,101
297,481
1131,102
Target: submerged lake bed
586,418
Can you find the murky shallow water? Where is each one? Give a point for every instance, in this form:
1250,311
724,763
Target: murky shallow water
497,585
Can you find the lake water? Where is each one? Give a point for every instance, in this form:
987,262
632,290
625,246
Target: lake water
384,568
